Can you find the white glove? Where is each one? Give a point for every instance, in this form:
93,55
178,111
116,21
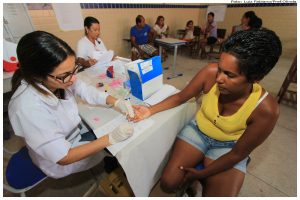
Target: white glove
125,107
120,133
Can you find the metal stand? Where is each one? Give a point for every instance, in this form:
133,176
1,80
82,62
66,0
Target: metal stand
174,74
160,54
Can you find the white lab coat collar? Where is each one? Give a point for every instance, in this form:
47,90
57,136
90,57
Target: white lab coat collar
51,99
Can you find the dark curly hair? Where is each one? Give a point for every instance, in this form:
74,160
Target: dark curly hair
257,51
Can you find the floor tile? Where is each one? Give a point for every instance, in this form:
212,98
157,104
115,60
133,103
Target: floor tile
275,161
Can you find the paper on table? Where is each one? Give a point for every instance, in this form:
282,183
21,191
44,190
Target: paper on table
164,92
103,57
139,128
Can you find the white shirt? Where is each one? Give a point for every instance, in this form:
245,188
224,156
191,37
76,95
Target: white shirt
189,34
46,121
85,48
159,30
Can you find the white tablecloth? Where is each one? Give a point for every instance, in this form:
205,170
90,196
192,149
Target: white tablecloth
144,158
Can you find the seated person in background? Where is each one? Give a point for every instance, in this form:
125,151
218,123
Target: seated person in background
142,37
210,34
189,31
162,29
90,43
236,115
244,22
44,112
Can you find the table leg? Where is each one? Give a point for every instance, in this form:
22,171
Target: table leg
174,75
160,54
160,50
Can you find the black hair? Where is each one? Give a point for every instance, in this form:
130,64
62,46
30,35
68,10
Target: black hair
256,50
88,21
212,14
189,22
158,18
39,53
255,23
249,14
138,19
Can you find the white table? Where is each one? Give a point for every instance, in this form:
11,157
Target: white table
144,158
171,42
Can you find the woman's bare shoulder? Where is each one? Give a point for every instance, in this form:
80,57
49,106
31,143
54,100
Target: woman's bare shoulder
268,109
209,73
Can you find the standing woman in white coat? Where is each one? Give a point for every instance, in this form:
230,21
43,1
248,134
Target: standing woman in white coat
44,112
90,43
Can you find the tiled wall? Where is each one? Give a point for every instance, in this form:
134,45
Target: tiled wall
116,20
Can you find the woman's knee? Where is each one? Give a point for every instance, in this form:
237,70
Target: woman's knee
169,183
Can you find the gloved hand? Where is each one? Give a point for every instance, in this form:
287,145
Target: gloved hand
125,107
120,133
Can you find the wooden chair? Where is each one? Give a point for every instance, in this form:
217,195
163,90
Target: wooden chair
288,90
195,43
180,33
221,36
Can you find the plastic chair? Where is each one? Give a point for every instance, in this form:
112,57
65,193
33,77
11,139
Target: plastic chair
21,174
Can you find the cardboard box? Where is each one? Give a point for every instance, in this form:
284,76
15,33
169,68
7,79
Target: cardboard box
116,185
145,77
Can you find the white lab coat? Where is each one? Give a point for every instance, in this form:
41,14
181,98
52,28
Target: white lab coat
46,121
86,49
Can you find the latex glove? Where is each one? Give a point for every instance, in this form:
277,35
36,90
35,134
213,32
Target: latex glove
125,107
120,133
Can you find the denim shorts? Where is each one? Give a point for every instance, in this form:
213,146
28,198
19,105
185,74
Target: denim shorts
211,148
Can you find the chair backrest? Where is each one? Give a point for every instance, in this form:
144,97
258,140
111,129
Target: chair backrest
180,33
21,172
197,31
221,33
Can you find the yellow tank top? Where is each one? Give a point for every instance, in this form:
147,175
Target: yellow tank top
225,128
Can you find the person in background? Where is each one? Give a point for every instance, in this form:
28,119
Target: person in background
236,115
247,17
90,43
162,31
44,112
142,37
189,31
210,34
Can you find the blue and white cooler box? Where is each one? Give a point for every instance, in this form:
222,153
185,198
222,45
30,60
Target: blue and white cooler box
145,77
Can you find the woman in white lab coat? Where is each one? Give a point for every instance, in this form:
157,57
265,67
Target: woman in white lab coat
44,112
90,44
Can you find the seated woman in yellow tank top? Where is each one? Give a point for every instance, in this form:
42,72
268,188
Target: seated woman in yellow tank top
236,115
